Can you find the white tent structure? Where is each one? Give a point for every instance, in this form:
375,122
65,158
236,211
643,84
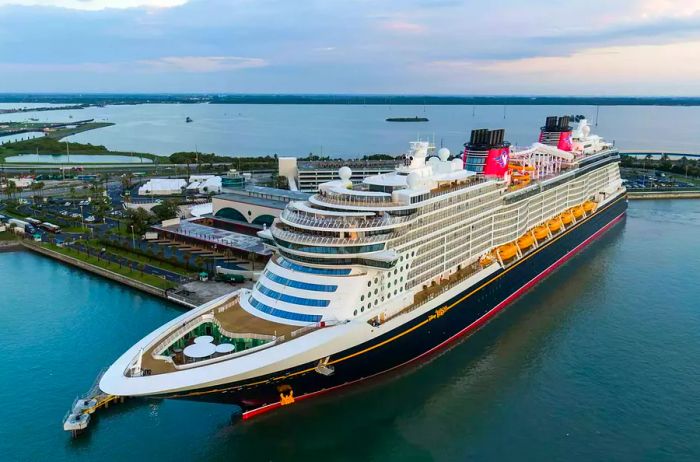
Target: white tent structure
162,187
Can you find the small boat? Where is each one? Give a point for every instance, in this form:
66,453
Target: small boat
578,212
554,224
407,119
589,206
507,251
188,120
541,232
525,241
567,218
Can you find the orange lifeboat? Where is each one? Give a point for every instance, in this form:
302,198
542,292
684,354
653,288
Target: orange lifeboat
578,212
589,206
507,251
567,218
486,260
554,224
525,241
541,232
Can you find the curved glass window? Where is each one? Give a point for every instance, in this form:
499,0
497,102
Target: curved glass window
231,214
298,284
330,250
291,298
284,314
338,261
306,269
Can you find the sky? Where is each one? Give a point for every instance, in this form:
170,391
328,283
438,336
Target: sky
471,47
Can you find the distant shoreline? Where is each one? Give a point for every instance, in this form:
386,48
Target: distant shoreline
338,99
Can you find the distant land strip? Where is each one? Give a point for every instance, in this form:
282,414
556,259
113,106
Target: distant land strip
96,99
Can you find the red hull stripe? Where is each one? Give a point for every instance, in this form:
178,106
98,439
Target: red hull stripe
476,324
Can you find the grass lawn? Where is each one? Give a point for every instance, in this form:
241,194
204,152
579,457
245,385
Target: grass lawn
141,258
7,236
149,279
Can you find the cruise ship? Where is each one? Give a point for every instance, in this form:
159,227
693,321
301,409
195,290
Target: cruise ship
369,277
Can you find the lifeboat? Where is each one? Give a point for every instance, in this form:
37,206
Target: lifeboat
578,212
554,224
525,241
541,232
486,260
507,251
589,206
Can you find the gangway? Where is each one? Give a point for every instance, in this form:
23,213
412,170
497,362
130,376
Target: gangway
78,418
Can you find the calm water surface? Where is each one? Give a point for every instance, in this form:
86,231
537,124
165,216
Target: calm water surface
352,130
599,362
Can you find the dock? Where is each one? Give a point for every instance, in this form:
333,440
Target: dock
77,419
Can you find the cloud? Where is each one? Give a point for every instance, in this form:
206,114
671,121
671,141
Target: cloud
190,64
96,5
203,63
402,26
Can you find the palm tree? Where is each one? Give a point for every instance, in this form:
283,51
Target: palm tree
11,188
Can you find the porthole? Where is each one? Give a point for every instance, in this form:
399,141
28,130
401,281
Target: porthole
375,303
389,285
362,309
394,291
382,298
362,298
395,270
375,291
354,313
369,283
376,280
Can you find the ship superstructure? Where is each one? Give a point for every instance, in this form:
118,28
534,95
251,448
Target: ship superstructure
360,269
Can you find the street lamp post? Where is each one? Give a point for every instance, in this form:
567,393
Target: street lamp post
82,219
133,238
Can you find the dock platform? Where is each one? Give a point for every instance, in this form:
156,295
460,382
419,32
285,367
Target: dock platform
78,418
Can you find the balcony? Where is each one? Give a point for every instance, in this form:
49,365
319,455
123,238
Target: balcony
330,241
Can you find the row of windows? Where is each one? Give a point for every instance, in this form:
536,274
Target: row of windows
307,269
291,298
330,250
284,314
339,261
298,284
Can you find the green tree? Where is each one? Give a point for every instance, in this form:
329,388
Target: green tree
166,210
11,188
140,219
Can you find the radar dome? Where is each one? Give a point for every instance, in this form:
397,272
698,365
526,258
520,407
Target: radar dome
586,130
444,154
345,173
412,180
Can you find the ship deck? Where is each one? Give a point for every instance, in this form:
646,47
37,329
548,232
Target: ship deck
231,319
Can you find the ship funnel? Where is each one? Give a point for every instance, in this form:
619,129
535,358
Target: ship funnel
487,152
556,132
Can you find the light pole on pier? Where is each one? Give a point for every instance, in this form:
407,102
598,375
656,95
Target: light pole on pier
133,238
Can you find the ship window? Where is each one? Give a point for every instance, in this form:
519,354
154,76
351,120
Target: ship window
375,291
395,291
362,298
306,269
284,314
362,309
369,283
330,250
292,299
354,313
298,284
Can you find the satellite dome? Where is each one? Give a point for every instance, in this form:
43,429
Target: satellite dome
586,130
412,180
345,173
444,154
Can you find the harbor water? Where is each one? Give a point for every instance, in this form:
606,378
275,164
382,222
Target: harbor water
355,130
598,362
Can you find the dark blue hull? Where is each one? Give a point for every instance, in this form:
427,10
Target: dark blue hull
423,335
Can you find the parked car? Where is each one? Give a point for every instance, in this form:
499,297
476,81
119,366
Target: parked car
75,215
64,213
90,219
67,204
